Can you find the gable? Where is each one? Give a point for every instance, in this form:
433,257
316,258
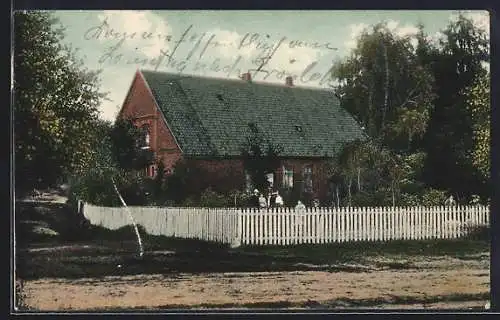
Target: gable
212,117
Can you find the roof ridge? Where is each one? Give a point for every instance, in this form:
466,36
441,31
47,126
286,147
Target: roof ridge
259,82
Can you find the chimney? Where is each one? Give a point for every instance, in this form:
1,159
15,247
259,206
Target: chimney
246,76
289,81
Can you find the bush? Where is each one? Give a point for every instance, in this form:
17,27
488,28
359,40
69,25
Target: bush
433,197
93,188
291,195
406,199
211,199
362,199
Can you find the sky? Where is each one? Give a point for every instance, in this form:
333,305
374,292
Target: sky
225,44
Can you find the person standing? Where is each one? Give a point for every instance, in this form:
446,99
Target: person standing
262,201
279,200
300,206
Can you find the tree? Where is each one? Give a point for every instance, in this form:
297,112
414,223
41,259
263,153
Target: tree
456,62
94,184
383,84
55,103
260,157
351,163
478,102
127,146
106,164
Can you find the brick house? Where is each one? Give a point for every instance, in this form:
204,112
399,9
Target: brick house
206,120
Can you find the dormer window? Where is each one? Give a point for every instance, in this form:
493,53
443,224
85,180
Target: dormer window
253,127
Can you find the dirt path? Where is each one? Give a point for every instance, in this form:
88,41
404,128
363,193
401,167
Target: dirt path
380,289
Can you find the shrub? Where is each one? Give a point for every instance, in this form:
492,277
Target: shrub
210,199
433,197
362,199
93,188
407,199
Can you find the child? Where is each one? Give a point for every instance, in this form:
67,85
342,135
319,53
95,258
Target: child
262,201
278,200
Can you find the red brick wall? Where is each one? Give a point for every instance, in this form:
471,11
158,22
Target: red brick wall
140,106
231,172
222,175
319,174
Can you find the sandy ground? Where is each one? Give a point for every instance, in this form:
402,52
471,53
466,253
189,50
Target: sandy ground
436,279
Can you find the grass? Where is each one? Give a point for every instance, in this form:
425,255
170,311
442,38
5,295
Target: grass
170,255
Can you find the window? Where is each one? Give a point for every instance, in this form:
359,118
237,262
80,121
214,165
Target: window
270,179
248,182
307,175
287,178
145,143
151,171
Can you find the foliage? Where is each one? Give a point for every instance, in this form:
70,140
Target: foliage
55,103
433,197
260,156
127,146
456,62
185,181
386,88
158,186
210,199
113,159
350,161
478,102
425,107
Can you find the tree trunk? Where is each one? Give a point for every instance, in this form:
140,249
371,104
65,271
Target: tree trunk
349,183
338,198
359,179
369,120
409,140
393,196
386,93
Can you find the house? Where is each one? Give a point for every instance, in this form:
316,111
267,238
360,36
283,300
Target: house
206,120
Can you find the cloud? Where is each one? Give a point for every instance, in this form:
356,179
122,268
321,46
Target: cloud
142,23
395,27
287,57
436,37
227,43
293,60
355,32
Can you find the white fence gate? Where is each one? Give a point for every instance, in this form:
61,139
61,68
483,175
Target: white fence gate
285,226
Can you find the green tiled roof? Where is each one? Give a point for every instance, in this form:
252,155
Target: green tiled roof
210,117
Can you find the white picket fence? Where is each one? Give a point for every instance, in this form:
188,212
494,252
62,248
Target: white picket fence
210,224
286,226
